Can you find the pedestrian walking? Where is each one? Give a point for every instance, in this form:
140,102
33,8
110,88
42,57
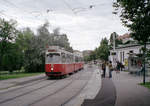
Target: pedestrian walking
104,69
121,66
118,67
110,69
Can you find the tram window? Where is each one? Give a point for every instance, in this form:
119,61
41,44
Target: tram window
68,58
76,59
71,58
79,59
53,58
63,57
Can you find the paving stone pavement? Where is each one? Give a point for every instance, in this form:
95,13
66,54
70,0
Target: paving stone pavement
122,90
129,92
106,96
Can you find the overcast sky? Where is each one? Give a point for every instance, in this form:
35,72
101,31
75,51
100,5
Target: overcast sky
84,26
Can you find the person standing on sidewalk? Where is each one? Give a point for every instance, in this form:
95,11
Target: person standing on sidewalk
104,69
110,69
118,67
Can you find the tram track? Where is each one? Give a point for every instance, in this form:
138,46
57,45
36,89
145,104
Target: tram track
33,90
59,90
12,98
30,84
67,101
50,94
72,78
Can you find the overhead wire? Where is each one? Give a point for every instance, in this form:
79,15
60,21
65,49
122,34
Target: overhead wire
82,9
10,3
75,11
68,5
3,15
25,11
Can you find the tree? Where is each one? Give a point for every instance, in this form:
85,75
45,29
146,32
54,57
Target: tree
35,52
34,56
103,50
23,38
61,40
135,15
23,48
12,60
7,35
9,54
23,41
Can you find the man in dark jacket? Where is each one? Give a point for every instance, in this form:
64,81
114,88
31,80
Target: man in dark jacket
104,69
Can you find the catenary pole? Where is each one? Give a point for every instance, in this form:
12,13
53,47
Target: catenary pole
144,54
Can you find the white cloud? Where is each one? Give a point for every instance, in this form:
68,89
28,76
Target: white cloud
84,29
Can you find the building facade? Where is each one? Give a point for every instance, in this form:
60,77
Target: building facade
123,52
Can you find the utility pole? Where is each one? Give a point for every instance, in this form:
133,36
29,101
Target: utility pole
114,48
144,54
114,44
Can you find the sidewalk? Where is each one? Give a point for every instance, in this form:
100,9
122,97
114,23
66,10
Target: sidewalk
129,93
105,97
89,91
5,84
121,90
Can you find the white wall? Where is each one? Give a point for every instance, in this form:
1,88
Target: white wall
120,51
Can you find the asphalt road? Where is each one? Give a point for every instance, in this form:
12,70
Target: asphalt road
47,92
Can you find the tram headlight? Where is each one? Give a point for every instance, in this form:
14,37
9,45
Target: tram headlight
52,69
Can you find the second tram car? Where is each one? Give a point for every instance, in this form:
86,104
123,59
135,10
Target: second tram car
60,62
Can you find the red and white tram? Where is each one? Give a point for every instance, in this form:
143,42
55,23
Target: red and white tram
60,62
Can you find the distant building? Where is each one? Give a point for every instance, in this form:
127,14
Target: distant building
123,52
128,54
125,38
77,52
86,52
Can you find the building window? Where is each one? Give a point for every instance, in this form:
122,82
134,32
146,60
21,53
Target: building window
113,53
131,51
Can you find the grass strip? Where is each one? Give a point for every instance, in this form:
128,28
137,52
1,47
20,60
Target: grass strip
147,84
19,75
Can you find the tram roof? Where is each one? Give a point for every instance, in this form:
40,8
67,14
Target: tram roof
61,50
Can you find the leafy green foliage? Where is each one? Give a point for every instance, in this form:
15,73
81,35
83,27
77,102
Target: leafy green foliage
10,56
12,60
34,60
24,38
135,15
25,49
102,52
34,56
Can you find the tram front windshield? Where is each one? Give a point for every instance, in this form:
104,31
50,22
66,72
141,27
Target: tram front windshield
53,58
